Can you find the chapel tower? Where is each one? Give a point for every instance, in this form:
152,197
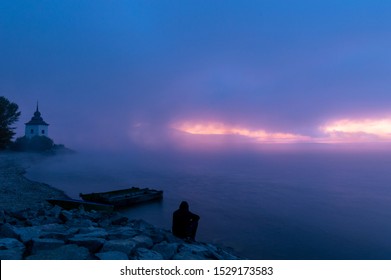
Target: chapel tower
36,126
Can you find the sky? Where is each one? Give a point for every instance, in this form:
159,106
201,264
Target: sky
199,74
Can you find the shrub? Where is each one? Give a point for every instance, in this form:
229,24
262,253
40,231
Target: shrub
35,144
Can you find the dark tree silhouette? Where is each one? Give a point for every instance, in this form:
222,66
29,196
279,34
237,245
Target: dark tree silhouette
34,144
40,143
8,116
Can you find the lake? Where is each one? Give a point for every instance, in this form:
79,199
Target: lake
265,205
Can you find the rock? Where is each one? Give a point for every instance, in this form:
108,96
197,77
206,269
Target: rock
126,246
38,244
112,255
58,231
55,227
157,235
97,234
7,218
6,230
119,221
80,223
167,250
220,254
57,234
10,255
19,215
11,249
66,252
2,216
106,222
125,232
143,241
194,252
93,215
170,238
55,212
42,221
42,212
93,244
141,225
93,232
26,234
66,216
145,254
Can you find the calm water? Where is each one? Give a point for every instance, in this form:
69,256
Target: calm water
293,205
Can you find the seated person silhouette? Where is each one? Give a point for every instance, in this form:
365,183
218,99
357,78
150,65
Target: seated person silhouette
184,222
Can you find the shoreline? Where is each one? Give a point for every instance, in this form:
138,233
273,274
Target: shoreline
18,192
31,228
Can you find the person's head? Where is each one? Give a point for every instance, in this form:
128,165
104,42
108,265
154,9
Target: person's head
184,205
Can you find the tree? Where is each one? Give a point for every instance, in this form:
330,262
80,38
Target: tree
34,144
40,143
8,116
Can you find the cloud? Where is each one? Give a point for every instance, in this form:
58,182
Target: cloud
340,131
261,136
358,130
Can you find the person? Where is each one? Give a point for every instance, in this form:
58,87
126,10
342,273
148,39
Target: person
184,222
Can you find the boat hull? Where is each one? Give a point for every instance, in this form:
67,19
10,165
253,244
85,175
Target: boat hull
125,197
69,204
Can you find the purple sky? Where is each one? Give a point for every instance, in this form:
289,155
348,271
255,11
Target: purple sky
125,73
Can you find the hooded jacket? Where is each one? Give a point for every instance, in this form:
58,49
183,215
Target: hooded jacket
184,222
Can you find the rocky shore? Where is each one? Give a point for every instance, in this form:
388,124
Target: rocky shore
32,229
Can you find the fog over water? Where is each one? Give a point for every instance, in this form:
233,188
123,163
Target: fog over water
307,204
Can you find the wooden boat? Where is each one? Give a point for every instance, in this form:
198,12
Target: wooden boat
69,204
125,197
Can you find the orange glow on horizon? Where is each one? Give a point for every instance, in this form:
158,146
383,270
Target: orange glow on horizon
368,129
378,127
215,128
341,131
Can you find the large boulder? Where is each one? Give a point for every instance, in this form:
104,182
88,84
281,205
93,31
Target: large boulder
80,223
125,232
141,225
157,235
59,231
11,255
11,249
193,252
54,227
38,244
7,230
221,254
66,216
119,221
126,246
92,232
143,241
93,244
167,250
54,212
21,216
170,238
145,254
3,217
26,234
